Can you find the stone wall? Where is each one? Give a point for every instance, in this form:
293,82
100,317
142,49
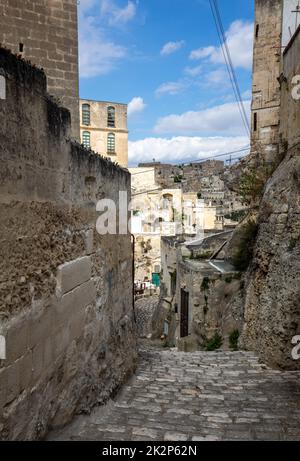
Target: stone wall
266,71
66,308
290,95
210,297
45,32
272,309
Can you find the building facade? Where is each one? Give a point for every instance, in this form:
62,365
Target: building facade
103,128
266,72
44,32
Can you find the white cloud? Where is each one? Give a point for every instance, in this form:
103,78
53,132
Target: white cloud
170,88
216,77
202,52
240,43
117,15
193,71
171,47
98,54
183,148
222,119
135,106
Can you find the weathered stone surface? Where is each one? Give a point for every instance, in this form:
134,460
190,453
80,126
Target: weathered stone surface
48,33
72,274
272,313
70,337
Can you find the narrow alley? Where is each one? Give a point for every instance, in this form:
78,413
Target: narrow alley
198,396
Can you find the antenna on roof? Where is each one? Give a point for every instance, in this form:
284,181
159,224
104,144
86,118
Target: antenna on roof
297,11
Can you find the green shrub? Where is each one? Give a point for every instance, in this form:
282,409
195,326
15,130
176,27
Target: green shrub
237,216
292,244
234,340
205,284
228,279
215,343
244,252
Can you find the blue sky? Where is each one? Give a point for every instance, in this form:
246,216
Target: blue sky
163,58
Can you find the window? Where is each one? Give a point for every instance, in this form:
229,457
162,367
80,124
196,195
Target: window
86,139
255,122
111,117
111,143
86,114
257,30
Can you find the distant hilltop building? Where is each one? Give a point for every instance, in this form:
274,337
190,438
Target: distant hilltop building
103,128
45,33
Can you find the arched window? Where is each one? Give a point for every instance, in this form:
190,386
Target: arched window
111,143
86,114
111,117
86,139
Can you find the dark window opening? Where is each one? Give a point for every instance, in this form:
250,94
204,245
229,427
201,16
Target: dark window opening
111,143
21,47
257,30
111,117
86,114
255,122
86,139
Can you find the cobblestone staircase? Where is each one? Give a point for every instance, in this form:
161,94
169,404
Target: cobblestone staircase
198,396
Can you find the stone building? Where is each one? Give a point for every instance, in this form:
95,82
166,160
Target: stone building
266,72
197,289
45,33
103,128
66,292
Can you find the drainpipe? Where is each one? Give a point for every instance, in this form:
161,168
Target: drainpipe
133,275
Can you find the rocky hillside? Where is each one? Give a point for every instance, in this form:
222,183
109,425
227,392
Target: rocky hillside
272,293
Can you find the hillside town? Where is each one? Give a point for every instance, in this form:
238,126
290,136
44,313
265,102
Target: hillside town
145,300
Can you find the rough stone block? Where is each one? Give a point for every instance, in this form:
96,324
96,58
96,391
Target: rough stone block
41,326
61,341
17,340
3,385
12,382
37,361
73,274
72,303
25,370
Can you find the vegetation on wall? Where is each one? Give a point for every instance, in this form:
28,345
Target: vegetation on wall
245,247
234,340
237,216
205,284
215,343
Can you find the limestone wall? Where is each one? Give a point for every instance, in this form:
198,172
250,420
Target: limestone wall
45,32
290,94
266,71
66,309
210,297
272,306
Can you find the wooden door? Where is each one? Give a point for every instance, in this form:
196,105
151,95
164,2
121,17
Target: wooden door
184,314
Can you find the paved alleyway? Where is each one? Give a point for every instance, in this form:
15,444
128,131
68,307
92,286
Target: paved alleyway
198,396
144,309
